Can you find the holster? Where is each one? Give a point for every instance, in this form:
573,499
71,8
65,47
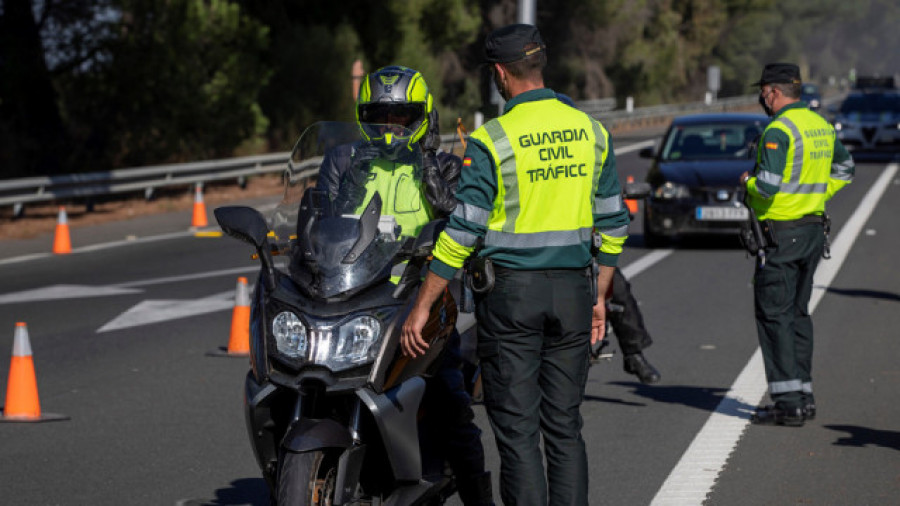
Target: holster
480,275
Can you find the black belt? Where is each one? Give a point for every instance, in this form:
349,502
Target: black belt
789,224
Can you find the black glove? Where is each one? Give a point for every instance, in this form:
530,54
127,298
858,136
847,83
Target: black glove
432,139
361,160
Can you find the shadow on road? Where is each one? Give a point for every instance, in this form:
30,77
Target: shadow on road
864,436
242,492
702,398
871,294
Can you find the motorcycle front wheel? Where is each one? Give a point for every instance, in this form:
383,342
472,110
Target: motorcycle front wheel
306,479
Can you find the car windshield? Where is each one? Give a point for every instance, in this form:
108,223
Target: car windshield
810,89
710,141
872,103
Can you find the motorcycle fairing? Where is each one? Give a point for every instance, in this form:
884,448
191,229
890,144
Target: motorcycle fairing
396,413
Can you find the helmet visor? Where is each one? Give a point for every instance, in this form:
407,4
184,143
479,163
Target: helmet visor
394,114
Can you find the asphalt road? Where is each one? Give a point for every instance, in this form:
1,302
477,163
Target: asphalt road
155,421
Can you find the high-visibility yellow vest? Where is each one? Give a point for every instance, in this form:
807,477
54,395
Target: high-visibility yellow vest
547,172
803,186
402,195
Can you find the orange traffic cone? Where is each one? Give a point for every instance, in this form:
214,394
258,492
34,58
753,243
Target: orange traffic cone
199,207
61,242
239,343
22,404
631,203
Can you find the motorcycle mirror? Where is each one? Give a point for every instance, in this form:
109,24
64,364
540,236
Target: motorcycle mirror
636,190
243,223
248,225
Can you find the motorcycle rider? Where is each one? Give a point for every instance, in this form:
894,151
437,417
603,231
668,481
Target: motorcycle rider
381,161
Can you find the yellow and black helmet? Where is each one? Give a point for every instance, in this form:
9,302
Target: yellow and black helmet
394,95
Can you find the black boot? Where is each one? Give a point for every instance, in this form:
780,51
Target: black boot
638,365
778,415
476,490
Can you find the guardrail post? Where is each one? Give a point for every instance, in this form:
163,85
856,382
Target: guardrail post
18,210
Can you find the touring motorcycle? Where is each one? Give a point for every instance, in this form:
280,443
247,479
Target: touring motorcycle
332,406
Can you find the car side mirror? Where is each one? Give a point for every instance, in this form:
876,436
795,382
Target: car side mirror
636,190
647,153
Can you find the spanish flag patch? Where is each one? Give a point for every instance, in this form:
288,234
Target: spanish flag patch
771,145
467,161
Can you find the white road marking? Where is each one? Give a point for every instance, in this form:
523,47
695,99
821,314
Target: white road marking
155,311
57,292
641,264
693,477
634,147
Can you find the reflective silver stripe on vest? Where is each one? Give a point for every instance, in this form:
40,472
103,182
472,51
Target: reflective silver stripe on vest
780,387
599,149
769,178
608,205
472,214
462,237
615,232
507,171
842,171
537,239
807,387
804,189
797,164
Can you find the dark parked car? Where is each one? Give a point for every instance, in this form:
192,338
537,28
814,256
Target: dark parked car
695,172
810,94
869,122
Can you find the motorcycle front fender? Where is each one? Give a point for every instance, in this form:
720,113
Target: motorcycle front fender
308,434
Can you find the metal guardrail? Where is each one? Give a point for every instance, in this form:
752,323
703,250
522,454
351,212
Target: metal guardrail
18,192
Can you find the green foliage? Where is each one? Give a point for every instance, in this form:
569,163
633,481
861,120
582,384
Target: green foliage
99,84
180,83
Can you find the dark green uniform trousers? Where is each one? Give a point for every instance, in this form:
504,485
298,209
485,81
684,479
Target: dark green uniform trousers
533,344
782,291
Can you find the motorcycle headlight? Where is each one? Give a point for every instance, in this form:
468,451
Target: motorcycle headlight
355,339
838,126
338,345
290,335
671,191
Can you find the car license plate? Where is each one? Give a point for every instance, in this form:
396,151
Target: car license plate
722,213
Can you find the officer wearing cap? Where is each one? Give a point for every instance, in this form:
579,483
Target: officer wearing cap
539,200
800,165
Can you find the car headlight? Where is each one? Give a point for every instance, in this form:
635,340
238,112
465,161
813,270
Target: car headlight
670,191
336,345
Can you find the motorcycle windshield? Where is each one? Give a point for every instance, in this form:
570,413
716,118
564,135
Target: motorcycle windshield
333,237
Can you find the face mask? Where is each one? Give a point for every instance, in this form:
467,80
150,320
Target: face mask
766,108
499,86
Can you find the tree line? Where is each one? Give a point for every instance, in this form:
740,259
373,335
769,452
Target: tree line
90,85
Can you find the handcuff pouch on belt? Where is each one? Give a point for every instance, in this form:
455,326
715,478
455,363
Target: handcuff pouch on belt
480,274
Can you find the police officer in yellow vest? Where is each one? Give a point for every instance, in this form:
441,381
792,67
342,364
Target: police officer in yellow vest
800,165
538,185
